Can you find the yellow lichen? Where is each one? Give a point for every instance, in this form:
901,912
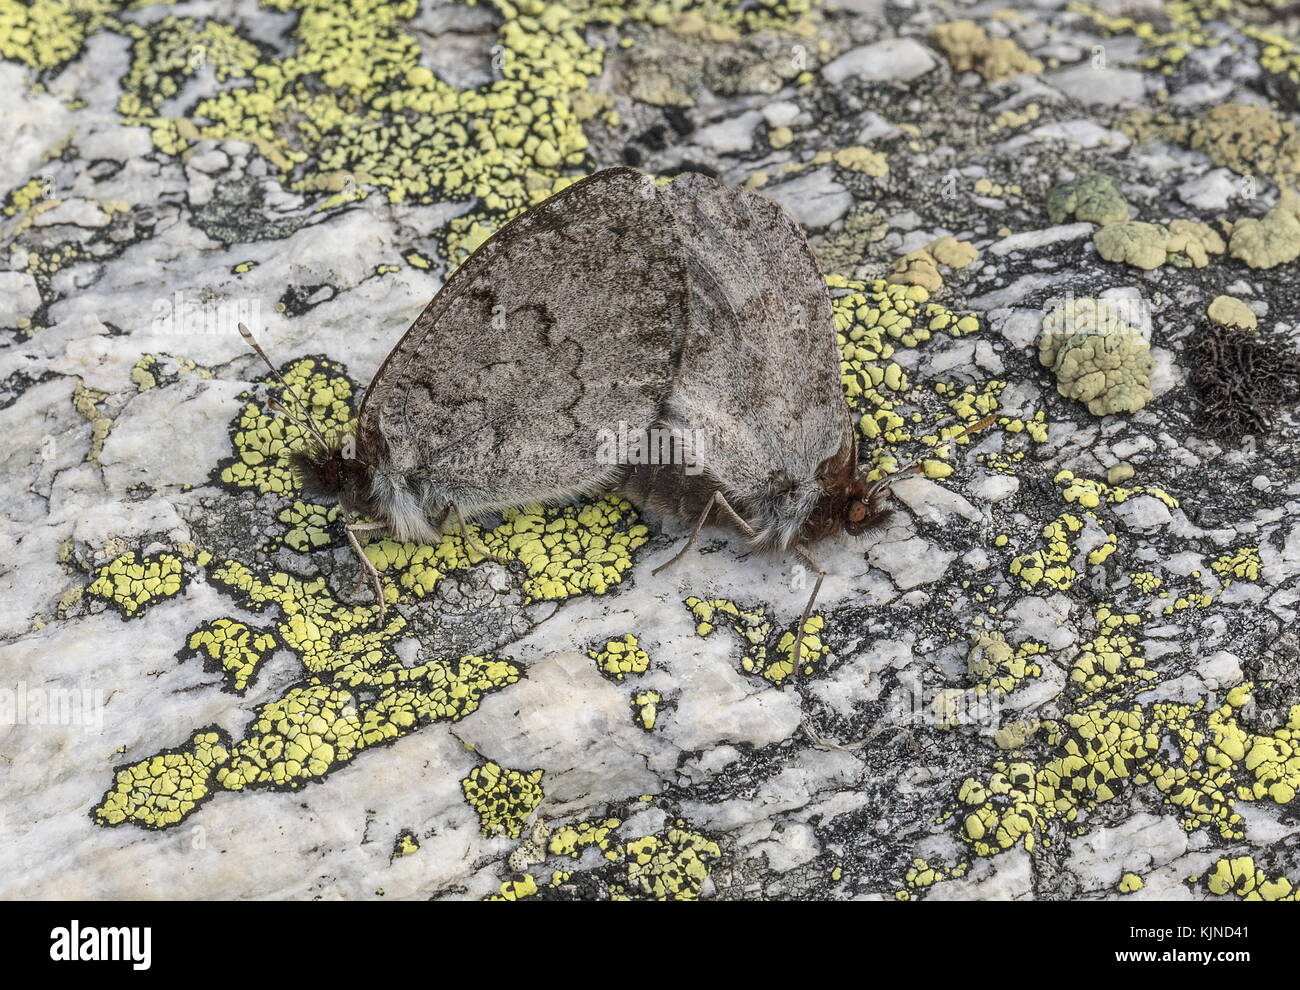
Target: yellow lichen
160,791
233,648
503,799
620,657
645,708
132,584
1229,311
772,661
968,47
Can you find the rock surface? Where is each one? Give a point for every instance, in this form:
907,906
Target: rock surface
1061,687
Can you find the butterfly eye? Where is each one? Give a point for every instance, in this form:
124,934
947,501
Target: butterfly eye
857,511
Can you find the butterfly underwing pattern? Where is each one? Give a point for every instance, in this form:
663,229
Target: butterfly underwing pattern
691,309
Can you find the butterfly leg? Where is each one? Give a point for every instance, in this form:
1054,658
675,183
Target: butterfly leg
475,545
802,551
352,529
720,500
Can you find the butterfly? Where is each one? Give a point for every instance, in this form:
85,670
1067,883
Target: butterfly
691,310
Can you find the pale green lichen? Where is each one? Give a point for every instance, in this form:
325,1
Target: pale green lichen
1097,358
1140,244
1183,243
672,864
1229,311
1094,197
1272,240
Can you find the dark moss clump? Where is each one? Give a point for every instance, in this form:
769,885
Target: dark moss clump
1242,379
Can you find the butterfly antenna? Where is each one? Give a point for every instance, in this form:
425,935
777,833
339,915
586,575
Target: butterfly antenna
898,474
305,424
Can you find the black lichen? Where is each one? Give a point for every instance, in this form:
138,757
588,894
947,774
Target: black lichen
1242,378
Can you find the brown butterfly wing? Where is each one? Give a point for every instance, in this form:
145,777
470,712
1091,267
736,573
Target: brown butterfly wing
561,327
759,379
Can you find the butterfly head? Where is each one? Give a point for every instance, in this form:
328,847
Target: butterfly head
333,467
851,505
862,507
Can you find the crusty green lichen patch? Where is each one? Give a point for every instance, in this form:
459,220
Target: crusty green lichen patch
312,730
1130,883
296,738
1251,140
326,635
645,708
996,667
1104,751
154,370
1241,564
923,874
921,267
88,403
571,840
773,661
1112,660
870,324
1094,197
45,34
349,110
132,583
504,799
671,866
162,790
1050,566
406,844
1053,566
321,723
311,527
